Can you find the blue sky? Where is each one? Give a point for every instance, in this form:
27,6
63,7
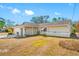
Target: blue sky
23,12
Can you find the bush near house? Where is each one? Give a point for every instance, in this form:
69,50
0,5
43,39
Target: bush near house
10,30
73,31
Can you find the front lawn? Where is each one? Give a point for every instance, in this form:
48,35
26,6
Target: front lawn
35,46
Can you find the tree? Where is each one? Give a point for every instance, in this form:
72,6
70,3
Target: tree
58,19
2,22
40,19
45,19
54,19
34,19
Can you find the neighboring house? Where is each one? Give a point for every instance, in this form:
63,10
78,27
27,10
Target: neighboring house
60,28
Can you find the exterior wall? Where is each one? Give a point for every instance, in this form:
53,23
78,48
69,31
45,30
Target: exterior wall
17,31
26,31
30,31
61,29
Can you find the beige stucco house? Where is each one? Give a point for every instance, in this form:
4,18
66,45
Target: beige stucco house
60,28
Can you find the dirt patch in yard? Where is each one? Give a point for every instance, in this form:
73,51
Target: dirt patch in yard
70,44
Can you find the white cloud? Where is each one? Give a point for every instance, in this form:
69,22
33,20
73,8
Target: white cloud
6,7
29,12
57,13
15,11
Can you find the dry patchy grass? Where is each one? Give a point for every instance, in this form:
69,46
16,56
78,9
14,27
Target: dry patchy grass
37,45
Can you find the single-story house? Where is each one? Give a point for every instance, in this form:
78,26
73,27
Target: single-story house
60,28
26,30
